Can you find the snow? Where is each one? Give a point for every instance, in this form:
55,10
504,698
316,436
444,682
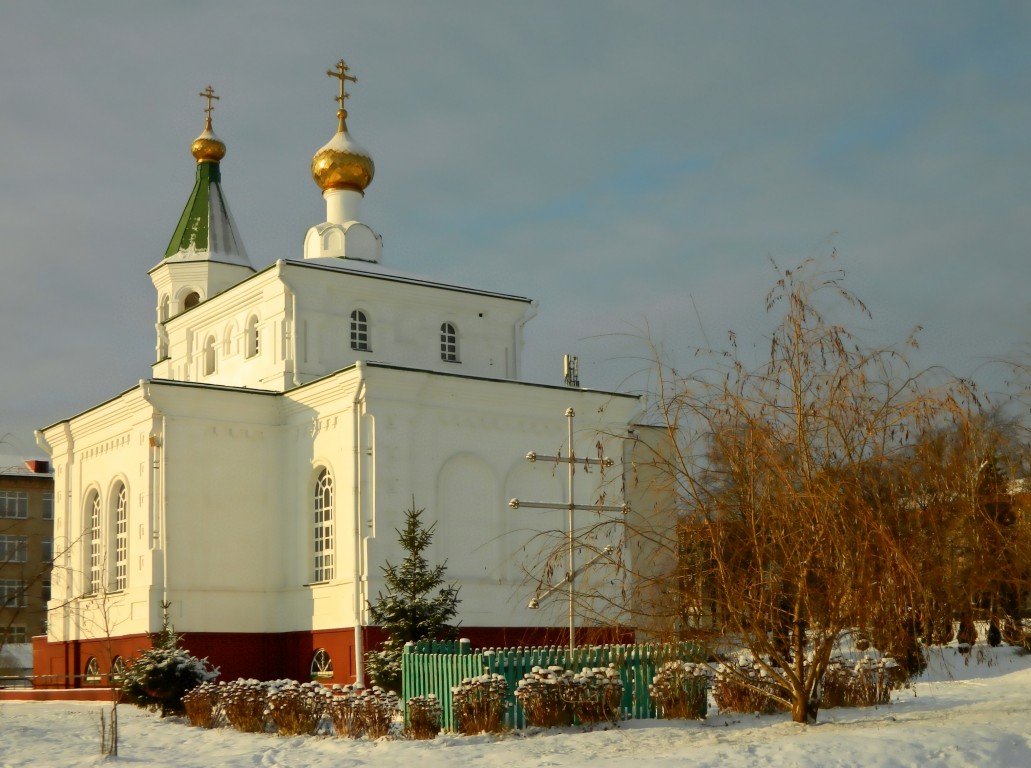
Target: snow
956,714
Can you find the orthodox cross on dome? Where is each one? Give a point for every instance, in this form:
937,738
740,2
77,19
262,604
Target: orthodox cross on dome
341,74
209,94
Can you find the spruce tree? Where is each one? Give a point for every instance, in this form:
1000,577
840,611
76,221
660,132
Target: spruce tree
418,605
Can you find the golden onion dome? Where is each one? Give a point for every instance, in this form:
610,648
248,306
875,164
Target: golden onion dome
342,163
207,147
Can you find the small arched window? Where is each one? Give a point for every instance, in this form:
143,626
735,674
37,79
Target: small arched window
360,331
323,526
192,300
163,308
94,545
448,343
321,664
117,670
252,341
209,356
92,670
121,536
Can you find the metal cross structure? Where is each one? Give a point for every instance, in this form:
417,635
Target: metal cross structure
341,74
570,506
209,94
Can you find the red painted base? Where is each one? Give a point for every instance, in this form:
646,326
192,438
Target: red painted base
61,667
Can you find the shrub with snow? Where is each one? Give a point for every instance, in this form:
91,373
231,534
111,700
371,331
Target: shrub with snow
866,683
358,711
243,704
203,705
424,715
479,704
744,686
596,695
678,690
296,709
545,698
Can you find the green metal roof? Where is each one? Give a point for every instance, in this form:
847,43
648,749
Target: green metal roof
192,231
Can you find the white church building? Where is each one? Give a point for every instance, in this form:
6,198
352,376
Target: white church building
254,482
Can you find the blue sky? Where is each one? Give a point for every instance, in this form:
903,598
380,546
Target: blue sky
628,165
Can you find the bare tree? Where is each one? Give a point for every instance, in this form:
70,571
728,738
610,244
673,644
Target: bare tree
790,480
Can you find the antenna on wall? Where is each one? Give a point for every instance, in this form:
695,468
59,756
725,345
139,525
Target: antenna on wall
571,370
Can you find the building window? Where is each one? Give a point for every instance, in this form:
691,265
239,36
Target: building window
321,664
448,343
92,670
48,506
192,300
121,537
163,309
96,560
117,670
252,341
209,356
45,591
13,593
14,504
324,526
13,549
360,331
47,550
14,634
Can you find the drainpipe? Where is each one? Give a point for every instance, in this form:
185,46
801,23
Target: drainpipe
158,532
281,272
359,570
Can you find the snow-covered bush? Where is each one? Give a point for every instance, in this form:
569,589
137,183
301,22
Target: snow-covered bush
358,711
866,683
479,704
424,714
377,708
342,711
544,696
243,704
678,690
596,695
203,705
160,676
296,709
744,686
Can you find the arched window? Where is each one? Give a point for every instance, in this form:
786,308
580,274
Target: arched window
121,536
323,527
92,670
163,308
448,343
117,670
209,356
192,300
94,544
321,664
360,331
252,341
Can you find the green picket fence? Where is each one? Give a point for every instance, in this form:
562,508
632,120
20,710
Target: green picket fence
437,667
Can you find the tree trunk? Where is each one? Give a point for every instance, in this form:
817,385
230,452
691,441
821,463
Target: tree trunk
804,708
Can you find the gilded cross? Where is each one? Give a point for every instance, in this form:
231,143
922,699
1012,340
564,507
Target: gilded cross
209,94
341,74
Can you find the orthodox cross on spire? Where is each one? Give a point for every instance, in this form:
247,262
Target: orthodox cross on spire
341,74
209,94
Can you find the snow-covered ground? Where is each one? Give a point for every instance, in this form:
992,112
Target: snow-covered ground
955,715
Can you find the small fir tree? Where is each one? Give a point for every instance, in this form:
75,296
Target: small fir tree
162,675
417,606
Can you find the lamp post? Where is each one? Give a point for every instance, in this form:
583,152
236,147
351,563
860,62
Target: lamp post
570,506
